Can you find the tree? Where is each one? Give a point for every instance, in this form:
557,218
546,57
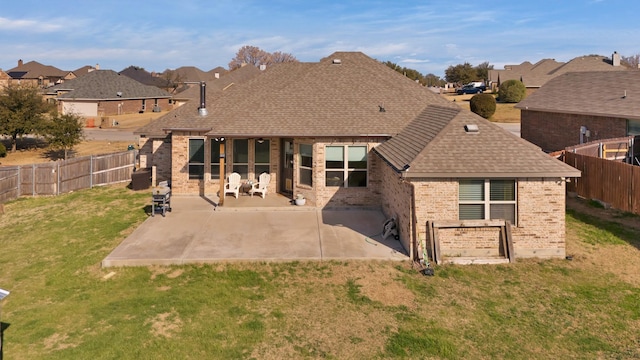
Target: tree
255,56
460,74
63,132
433,80
22,111
512,91
632,61
482,71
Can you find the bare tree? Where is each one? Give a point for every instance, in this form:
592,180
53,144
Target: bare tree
255,56
633,61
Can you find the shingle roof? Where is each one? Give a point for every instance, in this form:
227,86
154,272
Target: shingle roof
142,76
544,70
190,73
435,145
314,99
598,93
106,85
34,69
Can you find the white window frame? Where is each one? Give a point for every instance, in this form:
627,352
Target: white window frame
301,167
487,202
346,169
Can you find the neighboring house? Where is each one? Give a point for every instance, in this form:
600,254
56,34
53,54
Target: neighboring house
37,74
85,70
144,77
535,75
580,107
350,132
5,79
105,92
230,78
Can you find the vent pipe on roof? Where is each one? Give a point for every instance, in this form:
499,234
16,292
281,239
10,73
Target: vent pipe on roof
615,59
202,110
337,61
471,128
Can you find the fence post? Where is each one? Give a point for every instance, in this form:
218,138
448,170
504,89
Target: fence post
33,179
91,173
600,152
58,177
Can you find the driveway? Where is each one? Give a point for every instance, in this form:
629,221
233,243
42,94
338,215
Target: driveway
193,232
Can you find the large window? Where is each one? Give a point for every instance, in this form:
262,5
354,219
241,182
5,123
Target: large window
262,157
487,199
633,127
346,166
215,158
241,157
306,164
196,158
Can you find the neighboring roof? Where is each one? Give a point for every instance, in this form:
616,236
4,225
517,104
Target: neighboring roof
189,73
217,70
34,69
536,75
84,70
106,85
142,76
436,145
598,93
329,98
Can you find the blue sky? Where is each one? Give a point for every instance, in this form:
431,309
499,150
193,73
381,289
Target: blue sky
424,35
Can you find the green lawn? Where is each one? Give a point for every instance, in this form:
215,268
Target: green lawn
64,306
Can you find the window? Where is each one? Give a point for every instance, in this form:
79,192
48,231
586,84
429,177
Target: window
306,164
241,157
487,199
633,127
196,159
262,157
215,158
349,173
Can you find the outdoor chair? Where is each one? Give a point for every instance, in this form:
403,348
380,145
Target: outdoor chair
261,186
233,185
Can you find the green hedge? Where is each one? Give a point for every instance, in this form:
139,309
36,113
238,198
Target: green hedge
483,105
512,91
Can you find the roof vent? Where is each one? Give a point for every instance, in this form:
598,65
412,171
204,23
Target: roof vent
471,128
337,61
119,94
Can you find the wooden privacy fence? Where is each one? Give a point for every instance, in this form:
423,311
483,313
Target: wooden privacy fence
612,182
65,176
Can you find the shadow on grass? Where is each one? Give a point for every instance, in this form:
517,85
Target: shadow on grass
3,327
609,229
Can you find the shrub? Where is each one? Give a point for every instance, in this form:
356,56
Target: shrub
3,150
483,105
512,91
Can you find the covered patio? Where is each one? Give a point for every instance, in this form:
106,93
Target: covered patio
254,229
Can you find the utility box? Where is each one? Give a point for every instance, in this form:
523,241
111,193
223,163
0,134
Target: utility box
141,179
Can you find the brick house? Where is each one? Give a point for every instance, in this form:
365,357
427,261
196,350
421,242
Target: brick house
36,74
105,93
580,107
349,132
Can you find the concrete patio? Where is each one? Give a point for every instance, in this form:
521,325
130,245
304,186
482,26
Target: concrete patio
254,229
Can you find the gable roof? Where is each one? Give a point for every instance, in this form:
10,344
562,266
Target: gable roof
143,76
436,145
34,69
599,93
339,96
190,73
105,85
536,75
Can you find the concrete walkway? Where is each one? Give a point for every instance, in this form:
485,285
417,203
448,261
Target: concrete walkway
195,231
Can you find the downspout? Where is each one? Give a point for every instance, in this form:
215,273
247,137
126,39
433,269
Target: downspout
414,221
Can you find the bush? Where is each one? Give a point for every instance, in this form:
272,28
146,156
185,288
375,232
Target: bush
512,91
3,150
483,105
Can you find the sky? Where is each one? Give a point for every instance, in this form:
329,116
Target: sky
428,36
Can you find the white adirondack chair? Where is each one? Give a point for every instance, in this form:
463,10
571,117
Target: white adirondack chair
261,186
233,185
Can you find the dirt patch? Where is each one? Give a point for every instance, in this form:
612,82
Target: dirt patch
57,342
165,324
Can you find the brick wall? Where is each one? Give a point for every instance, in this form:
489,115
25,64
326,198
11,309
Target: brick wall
156,152
555,131
396,198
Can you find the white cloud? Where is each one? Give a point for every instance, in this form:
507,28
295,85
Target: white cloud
37,26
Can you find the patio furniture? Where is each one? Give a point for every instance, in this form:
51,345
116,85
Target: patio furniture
261,186
233,185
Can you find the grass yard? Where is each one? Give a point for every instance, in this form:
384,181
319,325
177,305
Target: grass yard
64,306
505,113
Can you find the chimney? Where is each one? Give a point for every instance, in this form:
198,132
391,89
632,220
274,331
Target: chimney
202,110
615,59
20,62
97,66
216,75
